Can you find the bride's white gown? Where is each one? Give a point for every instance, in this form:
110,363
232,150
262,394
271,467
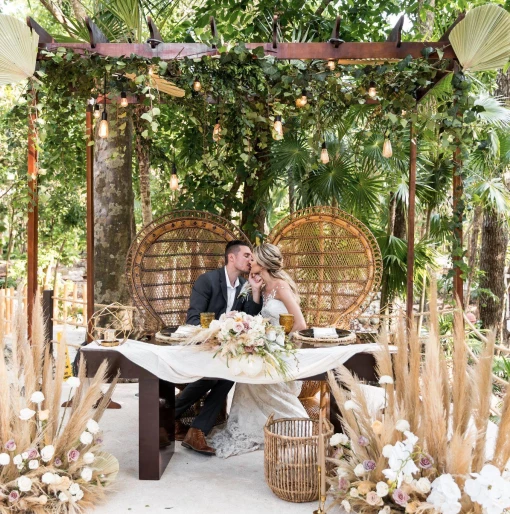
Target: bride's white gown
253,403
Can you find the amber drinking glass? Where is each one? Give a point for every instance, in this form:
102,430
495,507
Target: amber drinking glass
206,318
287,322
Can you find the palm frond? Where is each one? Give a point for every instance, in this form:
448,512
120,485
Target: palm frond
494,110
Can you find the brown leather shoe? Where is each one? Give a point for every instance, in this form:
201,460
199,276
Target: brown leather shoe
164,440
180,430
195,440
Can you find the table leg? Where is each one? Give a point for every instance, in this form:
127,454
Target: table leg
152,459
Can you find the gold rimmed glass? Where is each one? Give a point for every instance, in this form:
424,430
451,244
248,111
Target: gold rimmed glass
206,318
287,322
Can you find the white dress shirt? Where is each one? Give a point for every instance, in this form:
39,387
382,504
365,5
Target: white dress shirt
231,291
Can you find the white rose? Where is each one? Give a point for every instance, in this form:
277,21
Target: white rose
280,339
26,414
47,453
349,405
63,497
359,470
4,459
422,485
17,460
20,466
337,439
24,484
86,474
354,492
37,397
24,455
382,489
271,335
92,426
48,478
73,382
385,510
346,506
33,464
402,425
86,437
88,458
385,379
74,488
79,495
408,479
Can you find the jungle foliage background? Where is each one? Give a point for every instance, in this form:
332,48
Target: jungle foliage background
249,177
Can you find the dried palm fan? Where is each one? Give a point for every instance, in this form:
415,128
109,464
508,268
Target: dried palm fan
481,40
162,85
18,50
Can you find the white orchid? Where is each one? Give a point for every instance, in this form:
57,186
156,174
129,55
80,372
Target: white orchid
489,489
445,495
400,460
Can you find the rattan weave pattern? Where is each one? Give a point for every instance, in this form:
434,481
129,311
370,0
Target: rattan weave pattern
335,261
166,258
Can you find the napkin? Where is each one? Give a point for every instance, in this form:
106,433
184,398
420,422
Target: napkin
185,331
324,333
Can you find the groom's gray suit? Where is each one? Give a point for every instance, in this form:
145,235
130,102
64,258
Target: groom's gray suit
210,295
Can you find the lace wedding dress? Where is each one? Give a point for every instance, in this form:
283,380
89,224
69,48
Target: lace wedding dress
253,403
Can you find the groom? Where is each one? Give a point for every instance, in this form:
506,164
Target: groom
215,291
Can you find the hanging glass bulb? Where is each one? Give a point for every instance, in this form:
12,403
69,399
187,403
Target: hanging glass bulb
331,65
302,100
278,127
372,91
324,154
387,151
103,126
174,180
97,112
404,112
197,86
216,135
123,99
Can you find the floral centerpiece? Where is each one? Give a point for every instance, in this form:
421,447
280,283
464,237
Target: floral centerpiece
424,448
49,462
250,345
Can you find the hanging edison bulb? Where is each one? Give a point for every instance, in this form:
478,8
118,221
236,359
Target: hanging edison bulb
372,90
216,134
324,154
103,126
174,180
97,112
197,86
302,100
123,99
387,151
278,127
331,65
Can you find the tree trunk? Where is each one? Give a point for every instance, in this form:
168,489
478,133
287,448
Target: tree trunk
400,225
472,251
114,222
385,276
426,26
143,158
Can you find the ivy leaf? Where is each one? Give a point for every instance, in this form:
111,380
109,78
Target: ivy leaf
146,116
154,126
122,115
156,111
145,133
123,126
244,157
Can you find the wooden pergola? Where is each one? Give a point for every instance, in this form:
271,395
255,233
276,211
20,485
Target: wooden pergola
392,50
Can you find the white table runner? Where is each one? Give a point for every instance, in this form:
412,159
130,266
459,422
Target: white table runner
183,364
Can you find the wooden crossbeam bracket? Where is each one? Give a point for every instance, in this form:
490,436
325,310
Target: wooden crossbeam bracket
396,33
335,35
446,35
275,31
95,34
214,31
155,38
44,37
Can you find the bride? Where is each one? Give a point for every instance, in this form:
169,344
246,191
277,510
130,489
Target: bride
253,403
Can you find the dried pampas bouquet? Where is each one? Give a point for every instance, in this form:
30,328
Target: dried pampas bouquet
49,463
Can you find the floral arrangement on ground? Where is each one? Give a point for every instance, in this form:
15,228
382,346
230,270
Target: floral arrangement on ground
251,345
422,442
49,462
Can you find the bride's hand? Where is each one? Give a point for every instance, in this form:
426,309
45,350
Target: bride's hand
255,281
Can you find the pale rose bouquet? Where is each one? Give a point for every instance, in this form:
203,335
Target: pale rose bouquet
250,345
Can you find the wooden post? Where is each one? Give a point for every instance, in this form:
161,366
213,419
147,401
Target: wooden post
48,317
410,227
32,226
458,211
3,317
64,303
90,223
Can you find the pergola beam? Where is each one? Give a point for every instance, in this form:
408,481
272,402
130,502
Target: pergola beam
95,35
396,33
384,51
44,37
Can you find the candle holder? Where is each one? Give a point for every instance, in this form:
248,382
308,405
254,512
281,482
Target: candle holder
287,322
206,318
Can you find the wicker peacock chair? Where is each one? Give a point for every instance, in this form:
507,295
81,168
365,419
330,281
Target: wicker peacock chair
337,266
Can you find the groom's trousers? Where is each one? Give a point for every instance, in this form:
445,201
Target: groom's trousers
212,404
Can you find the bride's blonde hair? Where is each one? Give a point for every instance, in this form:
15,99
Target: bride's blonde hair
270,257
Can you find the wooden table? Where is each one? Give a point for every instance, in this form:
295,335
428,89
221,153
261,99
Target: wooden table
153,412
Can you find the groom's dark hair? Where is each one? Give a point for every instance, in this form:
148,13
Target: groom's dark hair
233,247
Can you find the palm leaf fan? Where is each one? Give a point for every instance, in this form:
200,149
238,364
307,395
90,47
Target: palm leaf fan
162,85
481,40
18,50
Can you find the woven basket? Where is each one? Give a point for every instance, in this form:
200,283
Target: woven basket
291,456
304,341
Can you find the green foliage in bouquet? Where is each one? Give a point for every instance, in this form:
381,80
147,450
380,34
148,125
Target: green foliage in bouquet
426,449
49,462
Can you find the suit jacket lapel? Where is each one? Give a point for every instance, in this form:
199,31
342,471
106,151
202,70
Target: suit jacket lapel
223,284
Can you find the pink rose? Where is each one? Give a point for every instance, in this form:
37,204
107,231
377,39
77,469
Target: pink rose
362,440
73,455
369,465
57,462
248,349
14,496
400,497
426,461
10,445
373,498
343,484
238,326
32,453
